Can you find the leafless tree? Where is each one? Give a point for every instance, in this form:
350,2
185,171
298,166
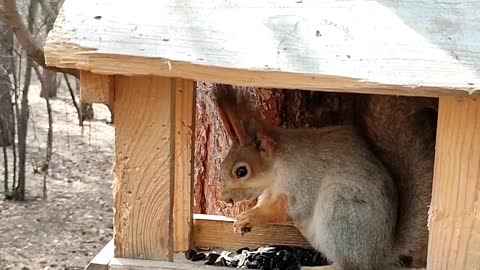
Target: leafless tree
23,37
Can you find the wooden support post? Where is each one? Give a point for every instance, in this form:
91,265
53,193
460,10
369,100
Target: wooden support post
454,223
144,169
184,139
96,88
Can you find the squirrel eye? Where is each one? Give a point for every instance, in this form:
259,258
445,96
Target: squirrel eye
241,172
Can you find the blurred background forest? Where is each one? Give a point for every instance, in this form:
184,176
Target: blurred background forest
57,153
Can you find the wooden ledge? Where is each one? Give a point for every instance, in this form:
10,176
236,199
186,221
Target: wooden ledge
217,232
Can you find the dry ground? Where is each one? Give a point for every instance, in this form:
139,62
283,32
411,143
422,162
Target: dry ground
75,222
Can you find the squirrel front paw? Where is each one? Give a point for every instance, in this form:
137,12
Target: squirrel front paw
243,224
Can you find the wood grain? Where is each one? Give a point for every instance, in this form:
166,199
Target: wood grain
217,232
184,139
454,223
408,47
97,88
144,169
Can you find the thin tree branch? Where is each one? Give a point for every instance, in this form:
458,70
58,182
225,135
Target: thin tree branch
24,37
70,89
51,16
15,22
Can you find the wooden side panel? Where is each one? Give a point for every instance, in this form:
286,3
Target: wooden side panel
144,169
454,224
96,88
183,198
217,232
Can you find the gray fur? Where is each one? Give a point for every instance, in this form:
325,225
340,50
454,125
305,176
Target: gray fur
344,201
402,132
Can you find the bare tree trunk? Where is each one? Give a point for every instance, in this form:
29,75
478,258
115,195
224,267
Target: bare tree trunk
48,156
5,161
22,133
6,116
50,84
17,70
24,114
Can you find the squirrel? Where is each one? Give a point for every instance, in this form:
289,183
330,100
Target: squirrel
327,181
402,133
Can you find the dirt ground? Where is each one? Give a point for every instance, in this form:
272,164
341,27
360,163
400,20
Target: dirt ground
75,222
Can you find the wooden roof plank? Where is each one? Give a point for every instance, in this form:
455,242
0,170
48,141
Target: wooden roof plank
409,47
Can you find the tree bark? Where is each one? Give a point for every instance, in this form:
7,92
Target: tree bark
286,108
49,89
19,193
22,134
6,116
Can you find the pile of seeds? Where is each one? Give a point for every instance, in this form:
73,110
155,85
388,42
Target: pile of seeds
266,258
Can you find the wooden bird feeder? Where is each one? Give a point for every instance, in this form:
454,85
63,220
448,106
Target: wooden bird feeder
143,58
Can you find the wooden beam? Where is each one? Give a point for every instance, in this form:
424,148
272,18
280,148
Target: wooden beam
454,242
408,47
97,88
144,168
217,232
131,264
182,264
102,259
184,141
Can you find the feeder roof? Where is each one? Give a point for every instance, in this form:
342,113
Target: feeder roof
425,48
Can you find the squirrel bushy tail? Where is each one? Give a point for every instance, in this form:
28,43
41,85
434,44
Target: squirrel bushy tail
402,132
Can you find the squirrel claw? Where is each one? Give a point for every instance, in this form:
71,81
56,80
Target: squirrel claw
245,230
242,229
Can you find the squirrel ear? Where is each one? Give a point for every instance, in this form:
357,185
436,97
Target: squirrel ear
227,105
266,145
238,128
226,123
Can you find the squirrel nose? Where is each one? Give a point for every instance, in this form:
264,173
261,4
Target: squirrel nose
229,200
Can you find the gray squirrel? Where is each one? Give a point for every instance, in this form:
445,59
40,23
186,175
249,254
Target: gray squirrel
330,182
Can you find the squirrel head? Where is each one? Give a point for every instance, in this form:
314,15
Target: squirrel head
246,170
